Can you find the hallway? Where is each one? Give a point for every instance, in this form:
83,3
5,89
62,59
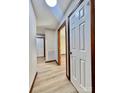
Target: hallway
66,29
52,78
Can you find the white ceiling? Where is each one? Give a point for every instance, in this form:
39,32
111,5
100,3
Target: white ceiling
47,17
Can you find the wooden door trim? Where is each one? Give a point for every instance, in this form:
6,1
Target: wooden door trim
44,47
59,62
92,16
59,57
30,91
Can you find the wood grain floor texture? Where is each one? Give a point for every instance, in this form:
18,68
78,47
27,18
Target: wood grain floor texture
52,78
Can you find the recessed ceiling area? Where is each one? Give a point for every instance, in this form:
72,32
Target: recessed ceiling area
49,17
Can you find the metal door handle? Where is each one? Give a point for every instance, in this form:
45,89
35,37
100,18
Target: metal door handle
70,52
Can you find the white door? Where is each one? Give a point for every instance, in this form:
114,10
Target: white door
40,47
80,46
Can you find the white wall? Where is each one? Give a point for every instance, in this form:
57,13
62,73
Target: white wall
40,30
32,45
51,41
40,47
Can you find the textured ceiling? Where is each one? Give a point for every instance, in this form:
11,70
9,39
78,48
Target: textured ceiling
47,17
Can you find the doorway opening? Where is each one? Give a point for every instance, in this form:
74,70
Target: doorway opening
40,46
62,46
62,53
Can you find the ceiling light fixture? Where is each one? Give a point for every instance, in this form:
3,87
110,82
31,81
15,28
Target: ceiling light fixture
51,3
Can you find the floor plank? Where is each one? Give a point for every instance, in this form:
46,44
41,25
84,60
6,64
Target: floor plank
52,78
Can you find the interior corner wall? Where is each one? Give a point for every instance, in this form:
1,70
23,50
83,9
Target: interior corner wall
32,45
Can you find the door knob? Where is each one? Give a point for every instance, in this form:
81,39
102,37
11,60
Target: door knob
70,52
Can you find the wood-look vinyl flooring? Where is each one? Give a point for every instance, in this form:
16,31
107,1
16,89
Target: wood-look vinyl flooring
52,78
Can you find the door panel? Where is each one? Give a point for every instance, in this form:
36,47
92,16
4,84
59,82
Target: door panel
82,36
82,76
80,59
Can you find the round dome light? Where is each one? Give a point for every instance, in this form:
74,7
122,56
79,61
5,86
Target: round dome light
51,3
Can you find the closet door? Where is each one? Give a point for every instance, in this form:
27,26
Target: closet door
80,48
